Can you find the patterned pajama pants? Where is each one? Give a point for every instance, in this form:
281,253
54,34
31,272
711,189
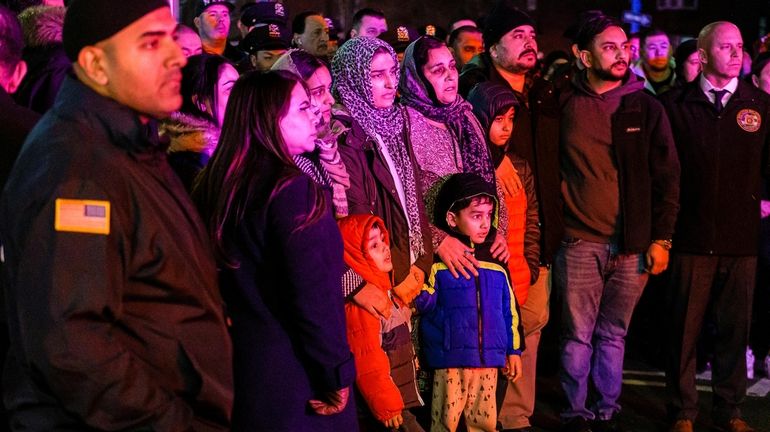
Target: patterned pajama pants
469,392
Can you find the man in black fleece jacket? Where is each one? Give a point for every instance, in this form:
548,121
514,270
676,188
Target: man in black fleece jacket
620,188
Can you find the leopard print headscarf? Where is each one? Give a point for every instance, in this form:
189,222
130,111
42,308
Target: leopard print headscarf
352,86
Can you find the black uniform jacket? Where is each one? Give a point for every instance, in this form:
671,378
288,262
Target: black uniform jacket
723,157
115,317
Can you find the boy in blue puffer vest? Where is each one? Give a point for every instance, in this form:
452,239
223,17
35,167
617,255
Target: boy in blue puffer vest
468,327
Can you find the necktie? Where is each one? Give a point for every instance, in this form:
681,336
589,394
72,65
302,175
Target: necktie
718,94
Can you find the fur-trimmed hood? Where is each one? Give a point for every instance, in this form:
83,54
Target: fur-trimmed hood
42,25
190,133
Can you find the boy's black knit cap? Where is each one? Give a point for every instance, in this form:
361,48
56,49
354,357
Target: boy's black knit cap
88,22
458,187
503,18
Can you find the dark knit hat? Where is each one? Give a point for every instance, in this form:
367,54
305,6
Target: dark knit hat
263,13
683,51
266,37
88,22
205,4
503,18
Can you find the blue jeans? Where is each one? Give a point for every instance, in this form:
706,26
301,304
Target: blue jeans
600,289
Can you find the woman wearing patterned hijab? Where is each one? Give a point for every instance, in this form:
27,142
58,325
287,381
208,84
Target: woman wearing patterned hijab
446,139
324,164
378,158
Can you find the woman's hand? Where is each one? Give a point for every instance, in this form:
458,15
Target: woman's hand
500,249
458,257
509,177
333,402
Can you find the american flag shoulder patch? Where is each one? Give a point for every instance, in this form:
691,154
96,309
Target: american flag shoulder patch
82,216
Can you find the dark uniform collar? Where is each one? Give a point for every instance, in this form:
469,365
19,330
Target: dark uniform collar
121,123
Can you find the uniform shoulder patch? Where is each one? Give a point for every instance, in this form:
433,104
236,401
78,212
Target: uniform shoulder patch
82,216
749,120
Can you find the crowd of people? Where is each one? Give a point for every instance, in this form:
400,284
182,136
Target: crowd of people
299,230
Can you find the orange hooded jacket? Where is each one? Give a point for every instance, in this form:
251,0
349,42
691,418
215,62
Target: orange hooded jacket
373,371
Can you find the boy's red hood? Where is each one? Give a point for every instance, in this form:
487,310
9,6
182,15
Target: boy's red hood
355,233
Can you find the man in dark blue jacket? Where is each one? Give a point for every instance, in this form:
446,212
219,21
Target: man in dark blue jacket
620,188
115,319
721,133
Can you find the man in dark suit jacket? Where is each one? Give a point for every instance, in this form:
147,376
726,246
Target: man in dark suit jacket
722,137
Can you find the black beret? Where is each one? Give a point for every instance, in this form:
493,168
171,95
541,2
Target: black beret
263,13
88,22
399,37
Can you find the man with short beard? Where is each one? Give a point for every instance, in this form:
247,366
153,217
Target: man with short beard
620,189
509,35
655,62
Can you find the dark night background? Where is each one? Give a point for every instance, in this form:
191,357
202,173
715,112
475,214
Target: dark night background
552,16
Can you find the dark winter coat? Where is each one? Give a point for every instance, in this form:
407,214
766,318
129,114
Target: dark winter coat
192,140
723,156
114,312
288,330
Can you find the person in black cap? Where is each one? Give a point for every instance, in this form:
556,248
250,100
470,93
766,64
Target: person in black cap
114,312
509,37
265,44
261,13
212,19
400,37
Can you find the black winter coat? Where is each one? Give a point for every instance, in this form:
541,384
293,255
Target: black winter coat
723,156
113,307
